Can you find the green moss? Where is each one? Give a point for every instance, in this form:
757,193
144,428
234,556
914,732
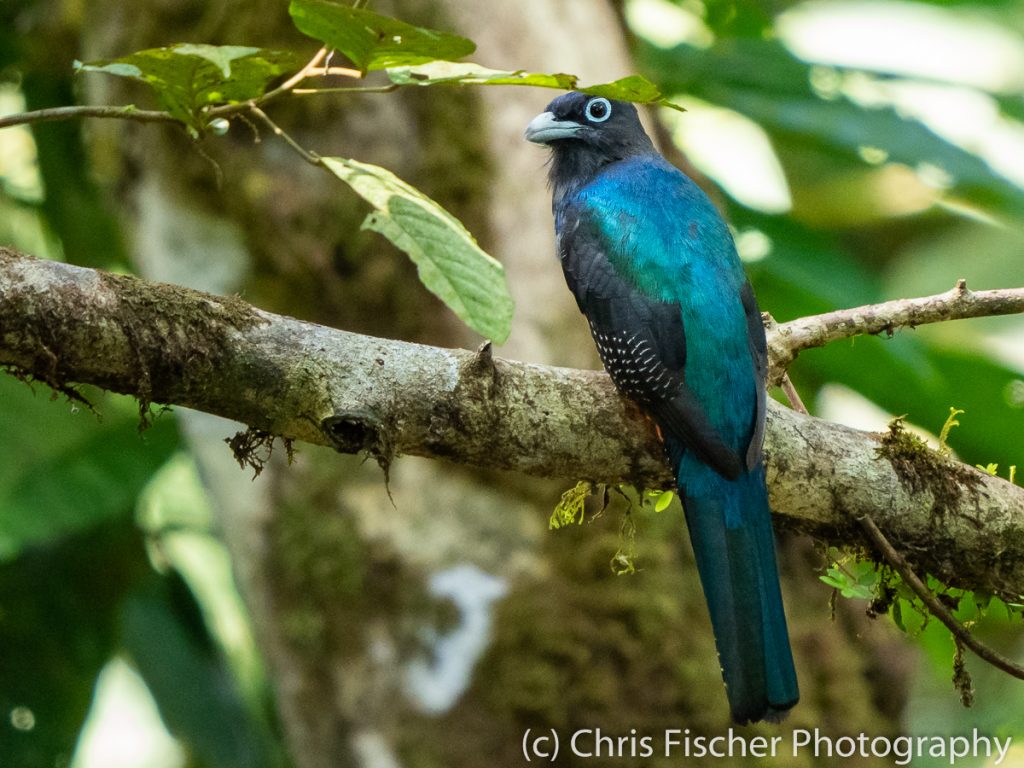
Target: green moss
570,508
178,336
335,583
304,627
321,567
922,469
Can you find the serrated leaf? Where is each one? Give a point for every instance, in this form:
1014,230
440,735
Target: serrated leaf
188,77
467,73
450,263
372,41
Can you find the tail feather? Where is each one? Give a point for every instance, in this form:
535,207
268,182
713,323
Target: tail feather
730,529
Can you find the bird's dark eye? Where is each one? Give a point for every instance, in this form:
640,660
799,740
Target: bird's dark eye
598,110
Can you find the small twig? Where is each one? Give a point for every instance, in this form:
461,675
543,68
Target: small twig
309,157
128,112
342,71
342,89
787,340
252,127
297,78
218,173
935,607
792,395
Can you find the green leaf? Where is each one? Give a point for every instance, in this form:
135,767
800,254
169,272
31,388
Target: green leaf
856,582
834,581
897,615
633,88
450,263
372,41
188,78
843,127
763,80
220,56
664,499
466,73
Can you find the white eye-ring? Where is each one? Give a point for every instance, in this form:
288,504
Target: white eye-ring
598,110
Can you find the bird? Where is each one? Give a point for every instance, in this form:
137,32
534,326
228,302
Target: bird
654,269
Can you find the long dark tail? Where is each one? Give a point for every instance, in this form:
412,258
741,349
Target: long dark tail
731,531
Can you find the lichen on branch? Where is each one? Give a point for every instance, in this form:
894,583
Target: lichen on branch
300,381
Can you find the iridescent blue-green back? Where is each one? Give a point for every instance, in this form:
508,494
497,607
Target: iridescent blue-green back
655,270
663,236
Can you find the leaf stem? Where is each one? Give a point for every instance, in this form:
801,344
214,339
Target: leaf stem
295,79
342,89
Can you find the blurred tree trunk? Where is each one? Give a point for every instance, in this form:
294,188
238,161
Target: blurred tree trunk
350,586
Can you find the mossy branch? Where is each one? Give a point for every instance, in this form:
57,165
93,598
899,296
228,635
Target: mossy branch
67,325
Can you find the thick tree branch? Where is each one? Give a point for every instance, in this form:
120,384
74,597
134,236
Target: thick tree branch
790,339
167,344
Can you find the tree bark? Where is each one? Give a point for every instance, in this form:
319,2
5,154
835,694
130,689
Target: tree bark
301,381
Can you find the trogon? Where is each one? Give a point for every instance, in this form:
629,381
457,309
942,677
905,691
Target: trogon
655,271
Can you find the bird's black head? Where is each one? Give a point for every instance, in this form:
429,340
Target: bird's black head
586,133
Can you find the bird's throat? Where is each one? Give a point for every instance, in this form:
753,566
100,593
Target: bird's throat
573,166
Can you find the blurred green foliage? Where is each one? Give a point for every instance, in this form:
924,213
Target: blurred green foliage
79,581
83,578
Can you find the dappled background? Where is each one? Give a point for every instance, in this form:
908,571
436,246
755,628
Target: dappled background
159,607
